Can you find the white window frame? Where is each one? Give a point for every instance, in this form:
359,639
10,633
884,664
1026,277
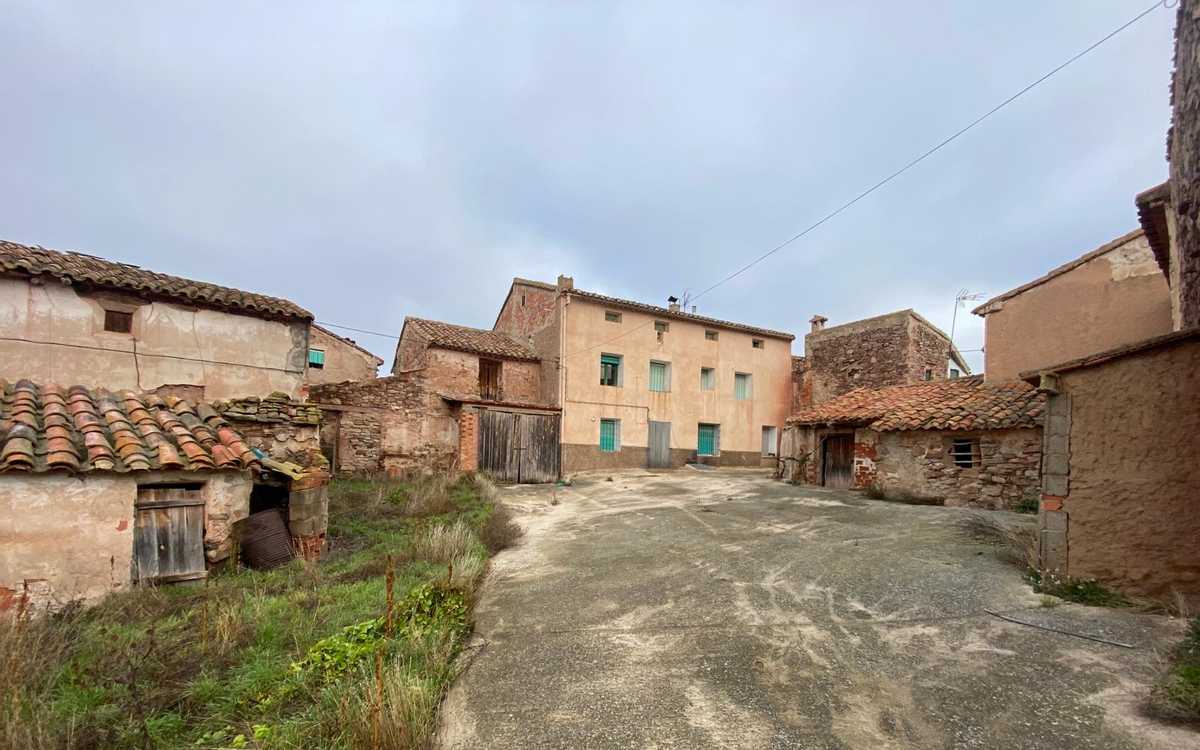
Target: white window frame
749,386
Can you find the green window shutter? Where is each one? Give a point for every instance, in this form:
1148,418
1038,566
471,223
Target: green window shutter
609,439
610,369
316,358
741,386
658,377
707,444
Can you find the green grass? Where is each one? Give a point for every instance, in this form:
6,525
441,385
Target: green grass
274,659
1079,590
1177,694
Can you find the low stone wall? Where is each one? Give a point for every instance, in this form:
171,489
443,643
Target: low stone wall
285,430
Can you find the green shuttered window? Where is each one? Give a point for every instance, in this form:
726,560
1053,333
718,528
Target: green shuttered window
742,389
316,358
660,376
610,369
708,441
610,435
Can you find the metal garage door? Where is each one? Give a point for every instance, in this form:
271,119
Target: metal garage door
516,447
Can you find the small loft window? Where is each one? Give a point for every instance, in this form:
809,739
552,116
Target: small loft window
612,317
965,452
954,373
316,358
661,326
710,335
522,299
757,343
928,374
489,380
118,322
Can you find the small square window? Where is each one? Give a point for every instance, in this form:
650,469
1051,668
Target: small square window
954,373
965,452
708,379
710,335
661,327
928,374
316,358
118,322
757,343
612,317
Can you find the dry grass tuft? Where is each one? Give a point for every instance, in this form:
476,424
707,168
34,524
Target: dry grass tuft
27,645
500,531
444,544
430,496
1015,544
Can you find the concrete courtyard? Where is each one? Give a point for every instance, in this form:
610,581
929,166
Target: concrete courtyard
722,609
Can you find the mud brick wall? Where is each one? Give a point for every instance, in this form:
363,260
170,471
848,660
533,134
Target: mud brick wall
283,429
1184,155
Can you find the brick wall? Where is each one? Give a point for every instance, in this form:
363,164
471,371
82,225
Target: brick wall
1184,155
457,373
410,350
531,314
468,446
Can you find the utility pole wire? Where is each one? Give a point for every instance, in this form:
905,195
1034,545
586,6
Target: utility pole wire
931,151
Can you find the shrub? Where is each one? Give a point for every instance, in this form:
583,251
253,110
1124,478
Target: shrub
499,531
1027,505
1078,590
430,496
1177,695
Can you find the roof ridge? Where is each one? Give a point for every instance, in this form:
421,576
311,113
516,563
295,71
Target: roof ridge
681,314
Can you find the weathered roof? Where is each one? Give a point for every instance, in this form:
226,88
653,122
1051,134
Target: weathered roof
1152,206
78,268
955,404
472,340
349,342
663,312
993,304
47,428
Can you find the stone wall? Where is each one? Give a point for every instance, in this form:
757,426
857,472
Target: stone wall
395,424
886,350
285,430
917,463
457,373
1184,155
410,350
1128,506
530,313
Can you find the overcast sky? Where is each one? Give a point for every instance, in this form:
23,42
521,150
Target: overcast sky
374,160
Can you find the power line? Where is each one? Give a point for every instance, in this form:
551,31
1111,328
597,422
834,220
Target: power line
359,330
931,151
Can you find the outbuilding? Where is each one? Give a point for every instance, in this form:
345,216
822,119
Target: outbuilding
960,441
99,490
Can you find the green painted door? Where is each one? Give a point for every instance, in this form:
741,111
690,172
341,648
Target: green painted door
707,445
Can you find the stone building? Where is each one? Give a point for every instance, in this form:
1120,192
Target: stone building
960,441
1111,296
334,359
900,347
99,489
75,318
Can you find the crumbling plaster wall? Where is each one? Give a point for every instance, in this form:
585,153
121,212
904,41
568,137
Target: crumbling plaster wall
70,538
64,341
1132,502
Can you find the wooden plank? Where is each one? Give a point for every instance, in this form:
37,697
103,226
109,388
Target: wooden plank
168,539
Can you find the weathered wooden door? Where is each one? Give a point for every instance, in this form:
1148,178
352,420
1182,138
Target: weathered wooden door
660,445
837,461
518,447
168,535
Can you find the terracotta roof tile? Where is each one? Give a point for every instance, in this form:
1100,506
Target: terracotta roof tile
473,340
87,269
44,428
955,404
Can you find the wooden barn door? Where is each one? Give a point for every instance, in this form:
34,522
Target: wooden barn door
168,535
518,447
660,445
837,462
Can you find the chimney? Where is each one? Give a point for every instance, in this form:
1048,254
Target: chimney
673,303
818,322
565,283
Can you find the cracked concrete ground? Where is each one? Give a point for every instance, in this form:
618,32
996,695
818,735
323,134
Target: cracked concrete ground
722,609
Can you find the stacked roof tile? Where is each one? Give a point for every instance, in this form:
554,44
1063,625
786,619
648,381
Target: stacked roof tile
472,340
78,268
955,404
51,428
